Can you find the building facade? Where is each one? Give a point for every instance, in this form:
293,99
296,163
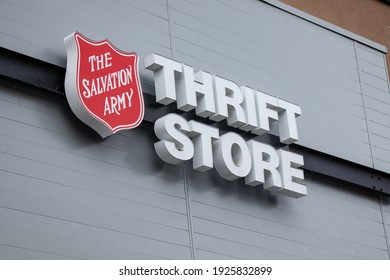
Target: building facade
370,19
66,193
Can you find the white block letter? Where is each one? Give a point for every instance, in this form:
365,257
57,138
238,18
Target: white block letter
292,176
175,146
288,130
265,162
228,99
195,91
267,112
202,136
164,70
232,158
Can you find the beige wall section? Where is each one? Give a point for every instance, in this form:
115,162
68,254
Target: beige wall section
368,18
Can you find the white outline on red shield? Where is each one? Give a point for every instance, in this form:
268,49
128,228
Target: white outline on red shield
74,94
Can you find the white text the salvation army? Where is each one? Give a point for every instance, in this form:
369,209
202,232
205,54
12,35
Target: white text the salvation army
117,103
107,82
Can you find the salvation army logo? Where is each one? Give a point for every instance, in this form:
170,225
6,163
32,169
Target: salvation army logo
102,85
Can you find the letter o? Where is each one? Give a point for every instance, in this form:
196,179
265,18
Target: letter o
232,158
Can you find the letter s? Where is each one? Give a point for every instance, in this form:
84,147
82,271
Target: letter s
175,146
86,92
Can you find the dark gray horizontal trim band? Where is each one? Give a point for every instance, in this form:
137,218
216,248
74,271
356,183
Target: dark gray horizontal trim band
343,170
34,75
33,72
325,24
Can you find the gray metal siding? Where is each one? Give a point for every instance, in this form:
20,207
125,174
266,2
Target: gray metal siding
373,74
38,28
385,207
235,220
284,56
250,42
64,194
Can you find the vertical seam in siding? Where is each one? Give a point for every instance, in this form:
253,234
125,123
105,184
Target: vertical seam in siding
387,72
364,104
170,27
186,188
384,225
189,214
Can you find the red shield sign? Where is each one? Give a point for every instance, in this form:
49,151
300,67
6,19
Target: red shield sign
102,85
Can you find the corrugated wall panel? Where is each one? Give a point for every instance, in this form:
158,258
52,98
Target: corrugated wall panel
385,205
249,42
66,195
38,28
329,223
376,90
284,56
